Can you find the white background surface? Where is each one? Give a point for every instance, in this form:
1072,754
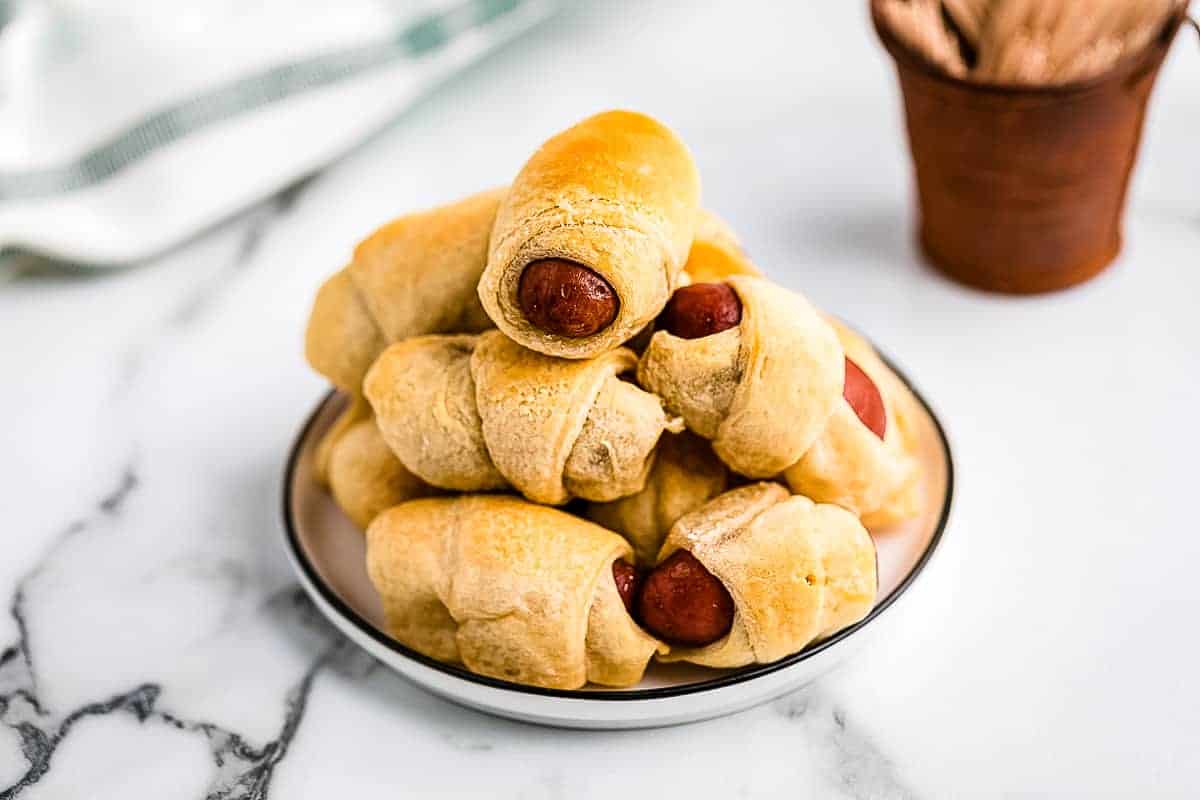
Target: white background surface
1050,650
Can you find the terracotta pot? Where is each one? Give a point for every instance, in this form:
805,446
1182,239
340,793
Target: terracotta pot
1021,189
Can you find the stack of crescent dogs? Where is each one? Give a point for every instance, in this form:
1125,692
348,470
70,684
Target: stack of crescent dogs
584,432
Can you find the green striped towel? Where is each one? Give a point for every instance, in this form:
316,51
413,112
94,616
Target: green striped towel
124,137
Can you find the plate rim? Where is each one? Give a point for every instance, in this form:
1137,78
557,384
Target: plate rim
743,675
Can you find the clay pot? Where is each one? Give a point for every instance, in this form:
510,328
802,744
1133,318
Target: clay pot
1022,189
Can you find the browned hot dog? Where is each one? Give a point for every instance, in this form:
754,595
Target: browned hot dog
682,603
628,581
700,310
566,298
863,396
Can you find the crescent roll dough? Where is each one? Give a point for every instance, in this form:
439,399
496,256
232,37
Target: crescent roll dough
357,411
686,475
416,275
365,477
877,479
360,470
511,590
763,391
716,252
617,193
798,571
477,413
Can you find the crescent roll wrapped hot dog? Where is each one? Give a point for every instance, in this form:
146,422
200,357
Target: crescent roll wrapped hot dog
360,470
715,255
686,475
424,398
864,459
511,590
477,413
751,366
757,574
590,240
416,275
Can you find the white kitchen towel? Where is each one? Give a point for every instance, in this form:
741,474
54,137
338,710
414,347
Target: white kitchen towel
127,127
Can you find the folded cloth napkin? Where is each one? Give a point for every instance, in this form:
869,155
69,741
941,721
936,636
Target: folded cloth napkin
127,127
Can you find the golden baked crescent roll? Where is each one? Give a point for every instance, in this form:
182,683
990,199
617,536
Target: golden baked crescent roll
355,412
559,428
797,571
716,252
360,470
478,413
423,395
763,390
686,475
590,240
342,339
510,589
415,275
850,464
366,478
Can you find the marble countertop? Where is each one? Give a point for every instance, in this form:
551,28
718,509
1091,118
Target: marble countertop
156,645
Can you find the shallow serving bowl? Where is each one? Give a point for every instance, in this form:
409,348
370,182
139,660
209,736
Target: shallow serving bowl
328,553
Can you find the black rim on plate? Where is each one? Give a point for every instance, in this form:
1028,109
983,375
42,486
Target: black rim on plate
740,676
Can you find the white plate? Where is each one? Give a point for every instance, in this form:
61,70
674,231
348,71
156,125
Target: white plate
328,554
